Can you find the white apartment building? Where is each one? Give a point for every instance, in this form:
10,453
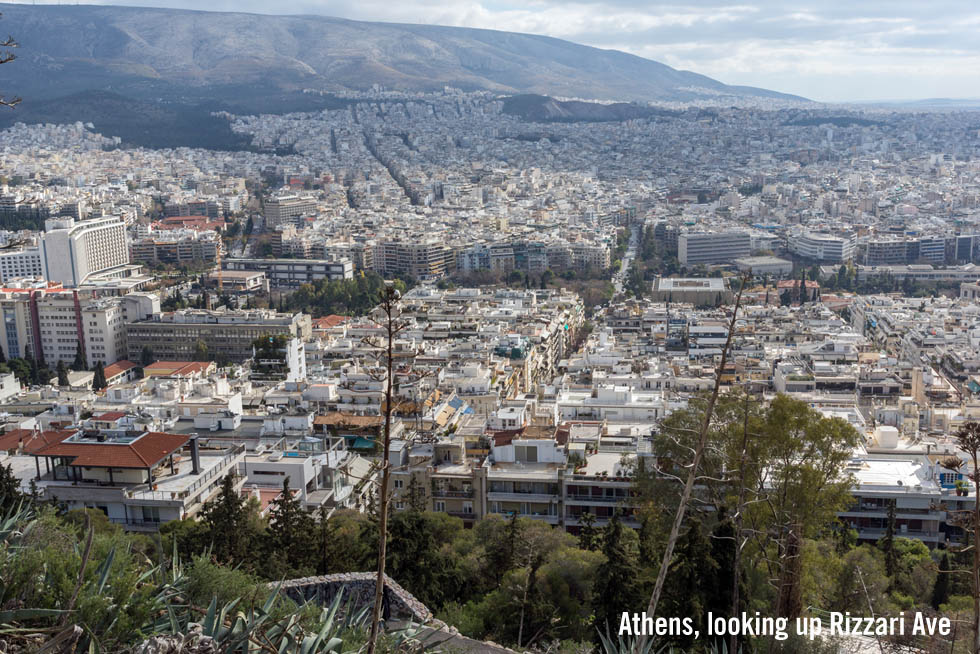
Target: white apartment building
19,264
140,480
712,247
823,247
72,250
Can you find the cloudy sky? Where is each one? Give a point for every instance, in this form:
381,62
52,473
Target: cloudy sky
831,50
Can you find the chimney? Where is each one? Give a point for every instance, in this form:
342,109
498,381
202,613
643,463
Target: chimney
195,456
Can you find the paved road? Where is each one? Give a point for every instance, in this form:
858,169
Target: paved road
620,277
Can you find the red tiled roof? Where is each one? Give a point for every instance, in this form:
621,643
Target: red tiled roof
505,436
144,452
326,322
31,441
118,368
266,496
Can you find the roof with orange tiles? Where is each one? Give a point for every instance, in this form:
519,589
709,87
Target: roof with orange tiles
327,322
145,452
175,368
118,368
266,496
30,441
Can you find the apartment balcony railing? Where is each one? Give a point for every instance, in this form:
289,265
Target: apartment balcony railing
452,493
595,498
137,522
146,493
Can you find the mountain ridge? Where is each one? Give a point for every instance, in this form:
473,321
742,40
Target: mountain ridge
143,50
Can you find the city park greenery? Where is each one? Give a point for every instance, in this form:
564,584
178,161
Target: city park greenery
771,487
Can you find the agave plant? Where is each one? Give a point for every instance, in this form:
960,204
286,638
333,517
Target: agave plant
273,625
631,645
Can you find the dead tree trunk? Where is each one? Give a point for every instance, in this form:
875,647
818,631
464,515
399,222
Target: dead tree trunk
389,299
692,473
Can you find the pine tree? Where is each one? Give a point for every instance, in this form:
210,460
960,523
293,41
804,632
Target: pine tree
720,594
887,543
225,517
62,373
146,356
290,530
35,371
693,577
10,495
201,351
940,590
588,535
415,495
98,379
615,589
501,550
79,363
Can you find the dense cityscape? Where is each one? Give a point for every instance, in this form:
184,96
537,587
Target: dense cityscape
504,336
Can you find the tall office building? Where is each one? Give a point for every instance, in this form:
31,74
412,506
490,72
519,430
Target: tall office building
430,259
71,251
712,247
827,248
287,209
230,335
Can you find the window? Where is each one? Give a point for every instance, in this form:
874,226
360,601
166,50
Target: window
440,506
527,453
399,483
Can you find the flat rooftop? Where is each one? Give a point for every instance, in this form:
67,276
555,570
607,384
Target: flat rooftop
762,261
892,474
692,284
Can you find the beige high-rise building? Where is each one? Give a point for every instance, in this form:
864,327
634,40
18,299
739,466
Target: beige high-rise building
287,209
430,259
52,323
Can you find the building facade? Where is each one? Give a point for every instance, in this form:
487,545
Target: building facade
230,335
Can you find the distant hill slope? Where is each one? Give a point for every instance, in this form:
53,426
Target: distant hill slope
177,54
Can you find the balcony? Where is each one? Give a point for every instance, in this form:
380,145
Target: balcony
550,518
927,535
137,524
601,499
522,497
864,511
449,492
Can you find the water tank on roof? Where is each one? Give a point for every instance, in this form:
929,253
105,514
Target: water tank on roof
887,436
